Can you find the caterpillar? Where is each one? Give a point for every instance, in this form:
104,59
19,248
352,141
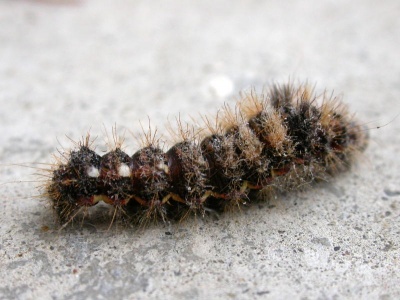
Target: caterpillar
282,139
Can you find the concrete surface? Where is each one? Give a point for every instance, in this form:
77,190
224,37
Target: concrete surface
70,66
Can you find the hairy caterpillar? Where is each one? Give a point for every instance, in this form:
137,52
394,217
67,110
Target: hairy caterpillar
282,139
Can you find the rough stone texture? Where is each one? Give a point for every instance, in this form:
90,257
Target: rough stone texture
67,67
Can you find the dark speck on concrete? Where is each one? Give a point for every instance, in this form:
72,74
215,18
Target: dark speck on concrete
391,193
263,293
388,246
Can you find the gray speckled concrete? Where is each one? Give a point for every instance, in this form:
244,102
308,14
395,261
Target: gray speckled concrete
68,66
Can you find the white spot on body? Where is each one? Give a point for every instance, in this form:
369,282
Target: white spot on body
124,170
93,172
163,167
